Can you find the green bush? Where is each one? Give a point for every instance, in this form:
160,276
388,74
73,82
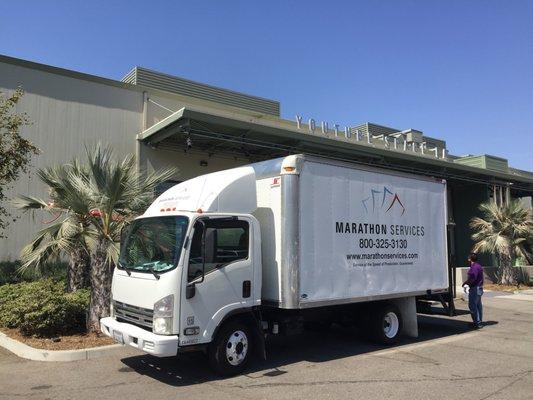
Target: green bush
523,277
43,308
9,272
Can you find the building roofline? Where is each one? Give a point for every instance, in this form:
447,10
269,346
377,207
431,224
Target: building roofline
65,72
483,155
123,85
138,67
266,119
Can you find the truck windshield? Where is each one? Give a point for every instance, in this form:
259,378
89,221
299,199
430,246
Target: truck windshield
153,244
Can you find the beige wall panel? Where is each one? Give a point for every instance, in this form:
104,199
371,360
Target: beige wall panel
67,114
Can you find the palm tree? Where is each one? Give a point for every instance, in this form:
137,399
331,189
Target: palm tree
507,231
68,232
117,193
93,202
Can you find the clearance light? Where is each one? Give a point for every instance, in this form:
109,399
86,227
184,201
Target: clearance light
289,169
168,209
199,211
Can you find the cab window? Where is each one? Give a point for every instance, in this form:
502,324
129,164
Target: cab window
226,241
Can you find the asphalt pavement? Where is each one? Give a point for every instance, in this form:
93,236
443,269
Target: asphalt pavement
447,361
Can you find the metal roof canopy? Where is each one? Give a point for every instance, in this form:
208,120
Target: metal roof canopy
261,137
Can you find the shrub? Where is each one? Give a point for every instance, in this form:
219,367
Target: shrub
43,308
9,272
523,277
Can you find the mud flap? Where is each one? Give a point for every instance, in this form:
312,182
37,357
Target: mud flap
259,340
407,308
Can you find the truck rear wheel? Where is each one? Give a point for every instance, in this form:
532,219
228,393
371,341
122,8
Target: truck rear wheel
231,350
385,324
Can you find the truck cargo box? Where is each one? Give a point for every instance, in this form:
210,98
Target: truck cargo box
336,233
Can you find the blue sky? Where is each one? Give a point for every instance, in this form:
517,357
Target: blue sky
461,71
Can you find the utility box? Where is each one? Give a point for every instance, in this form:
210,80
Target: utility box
413,136
486,162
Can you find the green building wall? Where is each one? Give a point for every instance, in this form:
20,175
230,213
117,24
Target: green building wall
466,198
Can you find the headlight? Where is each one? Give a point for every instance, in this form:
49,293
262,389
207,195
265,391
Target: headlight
162,325
163,311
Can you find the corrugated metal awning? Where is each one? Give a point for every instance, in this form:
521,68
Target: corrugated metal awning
261,137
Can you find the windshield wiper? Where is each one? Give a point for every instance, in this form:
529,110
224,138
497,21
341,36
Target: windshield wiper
151,269
124,268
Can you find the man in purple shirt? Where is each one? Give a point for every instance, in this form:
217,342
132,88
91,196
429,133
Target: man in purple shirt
475,282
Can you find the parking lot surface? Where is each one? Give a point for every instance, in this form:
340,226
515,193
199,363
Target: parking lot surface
447,361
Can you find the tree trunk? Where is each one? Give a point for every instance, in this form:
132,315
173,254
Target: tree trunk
507,272
101,274
78,270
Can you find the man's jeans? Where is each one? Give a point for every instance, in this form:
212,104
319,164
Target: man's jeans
474,304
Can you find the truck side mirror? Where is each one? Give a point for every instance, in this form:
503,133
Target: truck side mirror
190,290
204,231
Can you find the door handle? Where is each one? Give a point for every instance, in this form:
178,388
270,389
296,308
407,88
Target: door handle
246,289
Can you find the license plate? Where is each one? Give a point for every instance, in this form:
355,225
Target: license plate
118,337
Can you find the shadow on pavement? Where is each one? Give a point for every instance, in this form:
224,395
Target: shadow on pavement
192,368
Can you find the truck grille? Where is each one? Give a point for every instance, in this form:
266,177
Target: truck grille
142,317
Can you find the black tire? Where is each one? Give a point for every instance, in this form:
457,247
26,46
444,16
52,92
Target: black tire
385,324
231,349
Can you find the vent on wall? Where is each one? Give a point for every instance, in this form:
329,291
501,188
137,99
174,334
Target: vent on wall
157,80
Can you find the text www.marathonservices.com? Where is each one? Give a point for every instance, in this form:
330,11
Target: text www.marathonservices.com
386,259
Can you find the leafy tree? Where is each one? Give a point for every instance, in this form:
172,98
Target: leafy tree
95,201
15,151
506,231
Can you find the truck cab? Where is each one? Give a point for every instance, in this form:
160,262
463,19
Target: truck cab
184,274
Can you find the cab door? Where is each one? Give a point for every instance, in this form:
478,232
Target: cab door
217,276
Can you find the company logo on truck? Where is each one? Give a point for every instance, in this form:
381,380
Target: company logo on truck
383,199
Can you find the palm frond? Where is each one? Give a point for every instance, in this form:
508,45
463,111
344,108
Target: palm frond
504,230
27,203
50,243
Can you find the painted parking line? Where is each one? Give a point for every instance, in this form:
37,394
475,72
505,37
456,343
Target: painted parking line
520,296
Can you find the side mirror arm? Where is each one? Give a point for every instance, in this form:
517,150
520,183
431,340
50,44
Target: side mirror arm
190,289
204,231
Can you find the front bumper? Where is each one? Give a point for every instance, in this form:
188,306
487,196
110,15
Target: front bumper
157,345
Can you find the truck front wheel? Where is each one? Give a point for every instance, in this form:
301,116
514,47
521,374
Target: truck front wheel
230,351
385,324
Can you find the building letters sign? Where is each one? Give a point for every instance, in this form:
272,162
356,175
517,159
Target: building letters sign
388,142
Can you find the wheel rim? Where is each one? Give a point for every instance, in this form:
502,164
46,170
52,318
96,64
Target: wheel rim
391,324
237,348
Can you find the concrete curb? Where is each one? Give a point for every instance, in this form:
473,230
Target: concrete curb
24,351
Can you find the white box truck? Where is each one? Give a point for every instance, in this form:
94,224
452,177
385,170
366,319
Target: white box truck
219,261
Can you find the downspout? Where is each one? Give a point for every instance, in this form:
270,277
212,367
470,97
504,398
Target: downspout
145,111
144,123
